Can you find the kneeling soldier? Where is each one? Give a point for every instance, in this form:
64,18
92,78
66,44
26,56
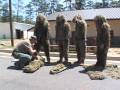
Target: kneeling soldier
24,52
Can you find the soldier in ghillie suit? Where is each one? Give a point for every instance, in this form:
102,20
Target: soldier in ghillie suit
103,40
41,32
62,37
80,38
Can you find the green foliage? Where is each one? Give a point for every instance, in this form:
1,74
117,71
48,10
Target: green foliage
80,4
29,13
4,13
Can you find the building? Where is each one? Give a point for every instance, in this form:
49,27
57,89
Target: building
112,15
20,30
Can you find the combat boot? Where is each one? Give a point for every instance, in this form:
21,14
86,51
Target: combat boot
48,60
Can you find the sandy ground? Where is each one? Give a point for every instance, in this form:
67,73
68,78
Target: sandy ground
115,52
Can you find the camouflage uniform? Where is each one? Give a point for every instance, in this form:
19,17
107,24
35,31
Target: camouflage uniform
41,32
103,40
80,37
62,37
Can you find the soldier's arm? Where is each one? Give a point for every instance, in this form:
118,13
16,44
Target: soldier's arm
35,31
106,34
56,30
46,29
67,30
83,24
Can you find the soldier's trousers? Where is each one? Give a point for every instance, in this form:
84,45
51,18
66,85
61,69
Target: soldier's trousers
63,49
101,56
23,58
81,50
45,44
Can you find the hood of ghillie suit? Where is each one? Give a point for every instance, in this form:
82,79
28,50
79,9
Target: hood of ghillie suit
99,20
60,19
41,19
76,18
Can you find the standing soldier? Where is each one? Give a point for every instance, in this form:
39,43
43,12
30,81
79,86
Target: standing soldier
103,40
41,32
62,37
80,37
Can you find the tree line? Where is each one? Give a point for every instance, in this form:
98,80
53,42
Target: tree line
26,13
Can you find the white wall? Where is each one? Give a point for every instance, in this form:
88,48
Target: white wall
30,33
5,30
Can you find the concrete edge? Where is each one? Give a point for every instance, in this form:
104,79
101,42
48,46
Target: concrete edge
56,54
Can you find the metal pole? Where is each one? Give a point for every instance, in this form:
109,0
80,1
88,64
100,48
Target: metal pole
10,20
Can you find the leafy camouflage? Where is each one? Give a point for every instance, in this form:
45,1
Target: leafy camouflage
34,65
41,32
80,37
58,68
100,73
62,36
103,40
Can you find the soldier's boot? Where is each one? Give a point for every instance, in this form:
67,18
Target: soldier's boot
48,60
61,57
60,61
66,59
79,62
48,57
101,63
17,65
20,64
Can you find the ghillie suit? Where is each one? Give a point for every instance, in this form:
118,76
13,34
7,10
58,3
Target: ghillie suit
58,68
41,32
34,65
100,73
62,37
94,72
80,37
103,40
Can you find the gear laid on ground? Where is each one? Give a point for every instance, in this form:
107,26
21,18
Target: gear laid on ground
98,73
34,65
113,71
58,68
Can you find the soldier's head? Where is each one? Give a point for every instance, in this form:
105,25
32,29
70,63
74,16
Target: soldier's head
33,39
99,20
76,18
40,19
60,19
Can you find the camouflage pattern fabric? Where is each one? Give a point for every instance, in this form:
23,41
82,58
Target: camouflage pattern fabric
62,36
34,65
58,68
80,37
100,73
103,40
96,75
113,71
42,33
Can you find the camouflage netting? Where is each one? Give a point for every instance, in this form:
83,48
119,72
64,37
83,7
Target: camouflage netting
98,73
34,65
58,68
113,71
